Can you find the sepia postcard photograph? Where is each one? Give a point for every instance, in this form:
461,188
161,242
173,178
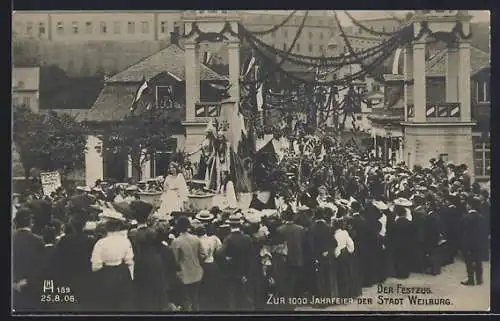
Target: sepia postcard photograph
250,161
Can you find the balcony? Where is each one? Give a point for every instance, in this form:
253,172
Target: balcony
207,110
443,111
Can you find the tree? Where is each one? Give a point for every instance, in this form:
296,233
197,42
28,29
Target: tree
48,142
139,136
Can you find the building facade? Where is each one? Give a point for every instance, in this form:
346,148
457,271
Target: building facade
26,87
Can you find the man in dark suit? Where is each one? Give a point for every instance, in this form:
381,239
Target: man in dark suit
433,231
188,255
472,227
238,253
294,238
149,277
307,197
28,253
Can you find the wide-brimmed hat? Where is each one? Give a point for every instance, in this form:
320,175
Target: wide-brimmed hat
421,188
90,226
234,219
253,218
111,214
84,189
303,208
343,203
269,212
401,201
132,188
204,216
380,205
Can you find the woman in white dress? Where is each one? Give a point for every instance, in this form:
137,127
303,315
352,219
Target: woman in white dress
175,191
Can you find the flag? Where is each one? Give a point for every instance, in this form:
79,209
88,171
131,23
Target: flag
138,94
207,56
260,98
248,65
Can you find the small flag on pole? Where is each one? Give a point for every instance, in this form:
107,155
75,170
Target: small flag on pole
260,98
248,65
207,56
138,94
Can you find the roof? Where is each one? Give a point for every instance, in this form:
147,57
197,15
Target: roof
112,104
170,59
436,66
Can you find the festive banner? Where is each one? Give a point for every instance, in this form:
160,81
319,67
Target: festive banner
50,182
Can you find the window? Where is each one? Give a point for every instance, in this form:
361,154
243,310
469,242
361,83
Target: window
15,101
117,27
145,27
285,33
359,117
75,27
321,48
321,36
383,29
311,35
375,87
284,46
131,27
104,27
163,27
88,27
27,101
29,28
483,91
482,157
41,29
60,27
310,47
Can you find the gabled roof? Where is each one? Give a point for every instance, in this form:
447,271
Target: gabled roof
112,104
436,65
170,59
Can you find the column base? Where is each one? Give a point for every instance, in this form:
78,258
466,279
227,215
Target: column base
428,140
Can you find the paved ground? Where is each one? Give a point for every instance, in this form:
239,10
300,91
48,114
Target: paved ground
444,286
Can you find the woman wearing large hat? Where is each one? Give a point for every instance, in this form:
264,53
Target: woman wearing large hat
113,266
210,245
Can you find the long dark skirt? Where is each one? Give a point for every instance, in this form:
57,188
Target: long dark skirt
402,263
355,287
325,278
344,274
114,289
209,290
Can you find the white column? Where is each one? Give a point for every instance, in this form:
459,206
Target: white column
409,75
145,168
94,166
401,151
452,66
464,81
234,70
191,65
419,90
129,166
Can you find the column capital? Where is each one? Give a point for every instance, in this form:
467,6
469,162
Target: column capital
191,44
233,44
463,44
419,44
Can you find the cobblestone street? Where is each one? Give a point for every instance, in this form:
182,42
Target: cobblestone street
446,286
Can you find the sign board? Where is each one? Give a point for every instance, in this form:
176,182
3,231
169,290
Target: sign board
50,182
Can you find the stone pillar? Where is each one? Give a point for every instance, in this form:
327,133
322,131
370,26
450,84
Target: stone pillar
192,77
234,70
452,66
419,90
464,80
409,75
94,166
145,168
129,167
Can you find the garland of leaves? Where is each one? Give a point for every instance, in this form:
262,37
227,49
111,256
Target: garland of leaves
373,32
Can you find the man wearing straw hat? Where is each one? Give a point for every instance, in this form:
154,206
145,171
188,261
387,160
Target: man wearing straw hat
188,255
238,252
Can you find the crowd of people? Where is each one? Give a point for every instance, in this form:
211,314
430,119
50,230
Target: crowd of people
361,223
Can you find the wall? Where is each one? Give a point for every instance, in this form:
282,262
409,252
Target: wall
426,142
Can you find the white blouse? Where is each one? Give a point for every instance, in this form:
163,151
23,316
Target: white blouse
113,250
343,241
209,245
383,221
